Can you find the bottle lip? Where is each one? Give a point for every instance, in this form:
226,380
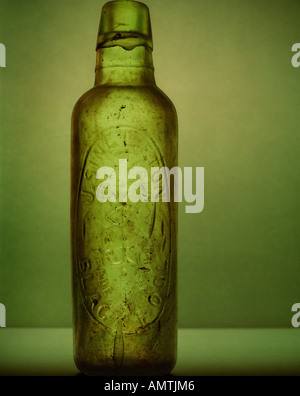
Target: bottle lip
125,23
126,1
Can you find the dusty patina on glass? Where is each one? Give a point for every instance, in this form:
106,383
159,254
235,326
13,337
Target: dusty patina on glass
124,254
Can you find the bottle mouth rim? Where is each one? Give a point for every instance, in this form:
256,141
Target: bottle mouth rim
125,23
126,1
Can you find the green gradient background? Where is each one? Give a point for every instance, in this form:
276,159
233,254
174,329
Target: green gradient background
226,65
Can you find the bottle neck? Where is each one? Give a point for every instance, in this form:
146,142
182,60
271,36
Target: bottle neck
117,66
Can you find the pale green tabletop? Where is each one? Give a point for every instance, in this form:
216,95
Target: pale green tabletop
200,352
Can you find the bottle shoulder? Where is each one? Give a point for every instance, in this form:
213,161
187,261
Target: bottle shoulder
167,101
105,98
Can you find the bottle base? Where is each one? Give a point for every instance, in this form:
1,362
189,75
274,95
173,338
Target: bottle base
138,370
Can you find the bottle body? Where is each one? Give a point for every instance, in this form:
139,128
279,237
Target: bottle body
124,248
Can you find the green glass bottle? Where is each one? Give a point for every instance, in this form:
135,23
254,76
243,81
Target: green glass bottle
124,251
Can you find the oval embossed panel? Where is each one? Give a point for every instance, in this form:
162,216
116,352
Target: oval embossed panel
122,249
